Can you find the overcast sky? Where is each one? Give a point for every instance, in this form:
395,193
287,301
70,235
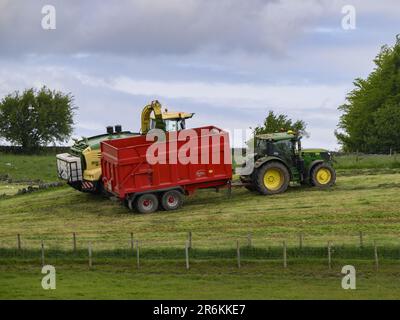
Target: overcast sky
228,61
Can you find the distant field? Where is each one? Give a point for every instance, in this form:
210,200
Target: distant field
367,162
28,167
43,167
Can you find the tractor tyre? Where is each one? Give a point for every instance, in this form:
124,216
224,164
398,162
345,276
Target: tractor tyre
272,178
323,176
171,200
146,203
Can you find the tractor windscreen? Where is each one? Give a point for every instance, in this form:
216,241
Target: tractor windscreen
171,125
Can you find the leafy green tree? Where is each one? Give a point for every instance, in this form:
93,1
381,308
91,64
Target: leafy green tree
35,118
277,122
370,121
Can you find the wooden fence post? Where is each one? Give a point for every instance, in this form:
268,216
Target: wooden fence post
42,249
190,239
90,255
187,255
238,253
137,254
132,242
329,256
361,240
74,241
19,242
376,256
301,240
284,255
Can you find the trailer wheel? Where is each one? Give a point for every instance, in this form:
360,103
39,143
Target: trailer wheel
146,203
171,200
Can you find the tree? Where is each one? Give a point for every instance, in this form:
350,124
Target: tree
276,123
36,117
370,121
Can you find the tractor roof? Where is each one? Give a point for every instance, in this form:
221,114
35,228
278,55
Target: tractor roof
175,115
278,136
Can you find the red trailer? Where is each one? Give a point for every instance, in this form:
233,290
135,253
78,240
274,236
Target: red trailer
148,175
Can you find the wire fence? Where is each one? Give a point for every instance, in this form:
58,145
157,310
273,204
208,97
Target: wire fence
111,241
241,249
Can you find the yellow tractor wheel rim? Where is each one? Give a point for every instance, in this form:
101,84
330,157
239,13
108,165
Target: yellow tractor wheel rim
324,176
273,179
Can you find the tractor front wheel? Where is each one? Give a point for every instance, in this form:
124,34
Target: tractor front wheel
272,178
323,176
146,203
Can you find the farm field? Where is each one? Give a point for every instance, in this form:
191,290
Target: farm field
217,280
364,199
367,203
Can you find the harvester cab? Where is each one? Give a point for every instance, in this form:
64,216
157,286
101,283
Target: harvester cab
154,118
279,159
81,168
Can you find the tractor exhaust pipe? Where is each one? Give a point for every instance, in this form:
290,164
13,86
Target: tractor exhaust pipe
110,130
118,128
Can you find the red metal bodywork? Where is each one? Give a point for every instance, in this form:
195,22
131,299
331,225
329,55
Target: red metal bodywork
126,169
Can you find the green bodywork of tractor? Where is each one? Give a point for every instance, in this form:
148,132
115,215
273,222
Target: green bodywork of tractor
279,159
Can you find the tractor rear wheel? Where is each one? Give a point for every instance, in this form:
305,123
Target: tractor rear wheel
171,200
272,178
146,203
323,176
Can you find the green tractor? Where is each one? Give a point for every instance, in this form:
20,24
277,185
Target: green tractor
278,159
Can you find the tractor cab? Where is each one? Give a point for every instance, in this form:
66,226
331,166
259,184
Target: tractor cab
279,159
286,145
174,121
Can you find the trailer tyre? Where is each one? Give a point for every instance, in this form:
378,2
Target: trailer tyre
171,200
272,178
146,203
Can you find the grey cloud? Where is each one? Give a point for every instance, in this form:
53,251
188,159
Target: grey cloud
154,26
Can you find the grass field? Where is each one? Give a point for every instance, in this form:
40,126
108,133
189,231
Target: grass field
367,161
364,199
120,279
43,167
367,203
28,167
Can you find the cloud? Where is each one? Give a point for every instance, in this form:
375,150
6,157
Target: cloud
155,26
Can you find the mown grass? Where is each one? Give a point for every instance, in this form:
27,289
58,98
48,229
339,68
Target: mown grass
168,279
367,203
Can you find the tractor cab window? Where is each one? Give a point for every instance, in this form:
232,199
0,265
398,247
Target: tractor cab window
175,124
171,124
283,149
261,146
